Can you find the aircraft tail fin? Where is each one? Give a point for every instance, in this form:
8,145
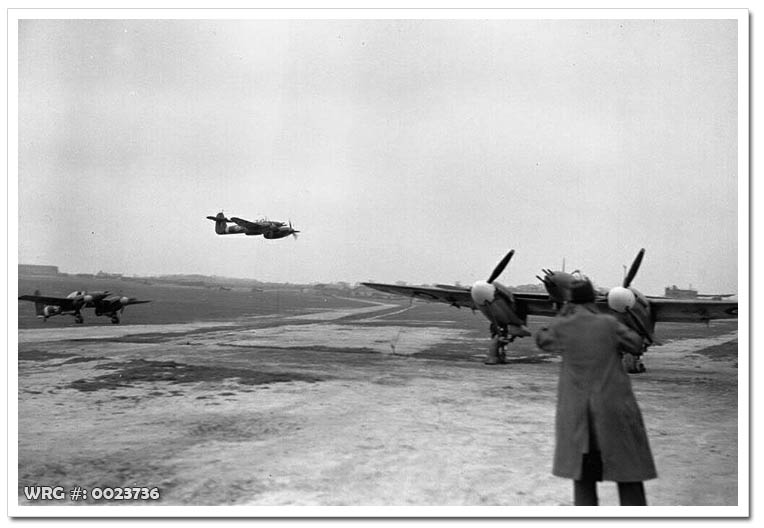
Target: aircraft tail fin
220,223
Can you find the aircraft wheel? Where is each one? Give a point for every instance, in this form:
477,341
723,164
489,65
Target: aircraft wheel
114,319
630,363
493,357
502,351
79,319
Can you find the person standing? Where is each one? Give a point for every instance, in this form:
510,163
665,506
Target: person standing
599,431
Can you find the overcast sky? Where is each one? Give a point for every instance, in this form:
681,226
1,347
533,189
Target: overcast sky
414,150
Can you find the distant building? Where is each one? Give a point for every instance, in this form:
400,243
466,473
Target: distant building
36,270
104,275
678,293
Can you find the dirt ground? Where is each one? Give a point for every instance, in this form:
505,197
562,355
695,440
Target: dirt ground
384,404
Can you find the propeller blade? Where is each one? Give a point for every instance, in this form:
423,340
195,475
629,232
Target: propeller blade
500,266
634,268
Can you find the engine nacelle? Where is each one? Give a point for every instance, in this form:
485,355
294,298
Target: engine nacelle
231,230
498,305
275,234
51,310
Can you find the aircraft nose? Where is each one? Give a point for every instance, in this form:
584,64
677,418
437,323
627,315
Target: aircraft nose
482,292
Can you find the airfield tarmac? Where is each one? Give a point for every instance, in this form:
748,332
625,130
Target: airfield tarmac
362,403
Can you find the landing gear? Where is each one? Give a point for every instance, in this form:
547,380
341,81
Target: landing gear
497,351
79,319
114,319
633,364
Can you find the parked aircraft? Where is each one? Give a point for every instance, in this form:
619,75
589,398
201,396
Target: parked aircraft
508,311
267,228
103,302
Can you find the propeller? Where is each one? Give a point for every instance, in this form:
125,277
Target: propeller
500,266
294,231
634,268
497,303
624,299
485,292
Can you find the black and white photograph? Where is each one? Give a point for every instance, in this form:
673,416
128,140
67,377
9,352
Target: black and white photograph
378,263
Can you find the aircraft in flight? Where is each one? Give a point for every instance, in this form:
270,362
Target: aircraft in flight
508,311
268,228
104,303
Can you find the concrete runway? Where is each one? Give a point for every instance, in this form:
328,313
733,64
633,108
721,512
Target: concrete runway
347,407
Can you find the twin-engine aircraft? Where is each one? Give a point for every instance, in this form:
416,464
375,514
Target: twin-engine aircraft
105,303
268,228
508,311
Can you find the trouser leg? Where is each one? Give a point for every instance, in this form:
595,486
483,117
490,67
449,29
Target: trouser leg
585,489
632,494
585,493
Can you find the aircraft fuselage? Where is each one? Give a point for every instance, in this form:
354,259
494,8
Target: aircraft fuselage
267,228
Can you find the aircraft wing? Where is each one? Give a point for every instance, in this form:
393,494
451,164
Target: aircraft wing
117,301
64,302
459,297
246,223
535,303
135,301
691,310
530,303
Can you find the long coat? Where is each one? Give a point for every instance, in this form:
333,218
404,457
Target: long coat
594,394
